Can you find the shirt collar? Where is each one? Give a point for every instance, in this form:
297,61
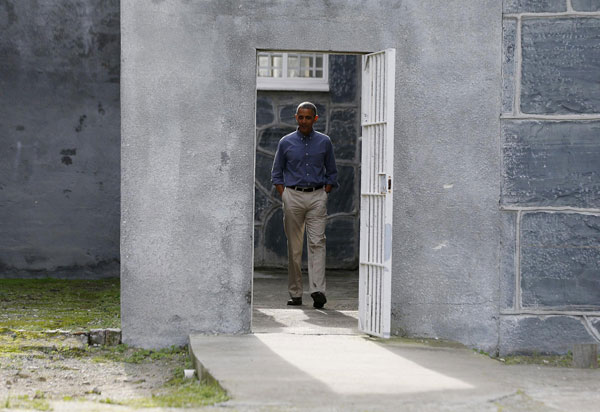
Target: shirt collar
302,136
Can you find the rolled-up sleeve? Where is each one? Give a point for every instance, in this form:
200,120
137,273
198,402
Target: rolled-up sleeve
330,167
278,165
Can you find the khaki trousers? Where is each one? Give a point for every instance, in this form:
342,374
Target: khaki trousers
305,210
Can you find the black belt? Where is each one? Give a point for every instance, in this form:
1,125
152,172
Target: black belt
305,189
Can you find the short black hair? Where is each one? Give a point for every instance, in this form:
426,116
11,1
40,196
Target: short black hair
307,105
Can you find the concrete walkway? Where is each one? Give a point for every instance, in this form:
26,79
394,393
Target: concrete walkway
307,359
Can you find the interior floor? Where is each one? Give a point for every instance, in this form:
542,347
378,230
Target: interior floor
271,314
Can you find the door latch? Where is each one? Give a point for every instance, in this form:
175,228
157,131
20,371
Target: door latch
383,186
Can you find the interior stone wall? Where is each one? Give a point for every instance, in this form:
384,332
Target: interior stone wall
550,129
339,118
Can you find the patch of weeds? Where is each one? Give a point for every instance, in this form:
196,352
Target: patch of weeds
137,356
182,393
177,392
482,352
42,304
62,368
59,349
126,354
436,343
39,402
11,347
538,359
187,395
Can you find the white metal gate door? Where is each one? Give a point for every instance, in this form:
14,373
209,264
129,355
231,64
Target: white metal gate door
375,276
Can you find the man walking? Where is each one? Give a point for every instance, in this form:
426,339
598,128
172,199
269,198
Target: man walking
304,172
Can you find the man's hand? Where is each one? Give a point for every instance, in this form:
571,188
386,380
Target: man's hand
280,189
328,188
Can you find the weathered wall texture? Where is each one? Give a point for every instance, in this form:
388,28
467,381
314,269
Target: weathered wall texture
549,267
60,138
447,168
188,92
339,118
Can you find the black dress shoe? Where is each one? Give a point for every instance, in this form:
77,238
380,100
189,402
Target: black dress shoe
319,299
294,302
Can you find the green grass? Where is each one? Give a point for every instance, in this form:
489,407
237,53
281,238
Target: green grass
126,354
24,402
178,392
11,345
563,361
436,343
185,395
537,359
29,308
46,304
39,344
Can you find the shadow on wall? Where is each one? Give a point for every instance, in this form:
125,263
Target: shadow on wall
339,118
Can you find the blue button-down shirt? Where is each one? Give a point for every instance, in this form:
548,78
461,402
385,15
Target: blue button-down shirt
305,161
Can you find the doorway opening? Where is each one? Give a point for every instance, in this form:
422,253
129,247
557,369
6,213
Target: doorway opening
334,83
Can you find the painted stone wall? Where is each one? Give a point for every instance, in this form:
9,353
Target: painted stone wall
339,118
550,130
60,138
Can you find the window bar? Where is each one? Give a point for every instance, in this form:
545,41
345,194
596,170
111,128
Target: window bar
270,65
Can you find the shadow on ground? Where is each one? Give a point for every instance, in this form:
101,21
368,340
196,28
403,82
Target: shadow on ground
271,314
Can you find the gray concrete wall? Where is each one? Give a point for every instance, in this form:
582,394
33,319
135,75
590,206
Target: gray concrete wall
188,81
60,138
339,118
446,219
549,266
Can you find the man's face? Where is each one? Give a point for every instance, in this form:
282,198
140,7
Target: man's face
305,118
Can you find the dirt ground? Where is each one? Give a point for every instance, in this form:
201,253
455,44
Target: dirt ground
47,364
63,373
47,373
67,375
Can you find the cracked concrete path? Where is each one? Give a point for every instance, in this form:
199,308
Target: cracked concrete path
306,359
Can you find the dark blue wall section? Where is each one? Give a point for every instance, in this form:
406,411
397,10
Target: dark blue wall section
550,191
560,66
551,163
560,260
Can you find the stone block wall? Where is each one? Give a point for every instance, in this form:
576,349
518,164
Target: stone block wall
60,137
550,197
339,118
